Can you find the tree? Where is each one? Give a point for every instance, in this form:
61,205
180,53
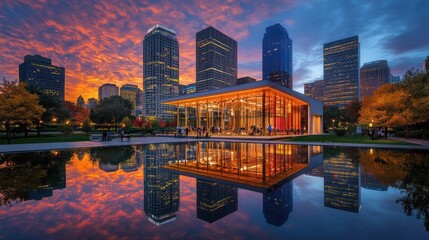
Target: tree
111,110
352,111
78,113
17,106
386,107
55,107
333,116
399,105
86,127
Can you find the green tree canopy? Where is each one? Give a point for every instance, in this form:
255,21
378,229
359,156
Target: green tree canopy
55,107
111,110
17,105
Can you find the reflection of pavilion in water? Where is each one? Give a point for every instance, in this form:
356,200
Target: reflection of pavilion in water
221,167
161,188
253,166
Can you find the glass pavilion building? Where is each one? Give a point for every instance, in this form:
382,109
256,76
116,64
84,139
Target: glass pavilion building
249,109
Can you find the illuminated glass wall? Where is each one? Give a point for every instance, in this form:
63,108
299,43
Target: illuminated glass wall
246,114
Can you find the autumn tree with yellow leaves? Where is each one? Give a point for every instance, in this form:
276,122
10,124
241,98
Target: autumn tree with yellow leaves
18,106
399,105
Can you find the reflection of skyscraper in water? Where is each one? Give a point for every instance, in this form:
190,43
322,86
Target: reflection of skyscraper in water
369,181
215,200
278,203
342,182
161,188
317,171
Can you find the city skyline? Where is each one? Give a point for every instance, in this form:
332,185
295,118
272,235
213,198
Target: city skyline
99,42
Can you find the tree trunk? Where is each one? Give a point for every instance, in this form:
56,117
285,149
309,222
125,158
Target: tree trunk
25,130
8,133
407,130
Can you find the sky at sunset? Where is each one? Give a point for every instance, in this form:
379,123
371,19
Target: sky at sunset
101,41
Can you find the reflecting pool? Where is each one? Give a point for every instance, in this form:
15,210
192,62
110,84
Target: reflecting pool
215,190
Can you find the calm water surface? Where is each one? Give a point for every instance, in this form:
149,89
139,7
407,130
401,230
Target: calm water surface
126,192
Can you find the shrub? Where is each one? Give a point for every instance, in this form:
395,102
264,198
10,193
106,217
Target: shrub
66,129
340,132
413,134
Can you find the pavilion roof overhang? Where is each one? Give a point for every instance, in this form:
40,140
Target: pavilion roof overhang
240,91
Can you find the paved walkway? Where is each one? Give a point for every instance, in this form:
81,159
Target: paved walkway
422,145
421,142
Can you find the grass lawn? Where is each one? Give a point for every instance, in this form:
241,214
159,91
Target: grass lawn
46,139
343,139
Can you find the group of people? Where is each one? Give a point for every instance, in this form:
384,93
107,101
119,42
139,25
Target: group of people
380,133
180,132
107,136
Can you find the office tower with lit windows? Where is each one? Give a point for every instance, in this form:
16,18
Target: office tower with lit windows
161,187
160,72
341,71
107,90
133,94
372,76
314,90
216,61
38,72
277,56
215,200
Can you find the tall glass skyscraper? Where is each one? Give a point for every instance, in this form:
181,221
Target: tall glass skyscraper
341,71
277,56
216,60
160,71
37,71
372,76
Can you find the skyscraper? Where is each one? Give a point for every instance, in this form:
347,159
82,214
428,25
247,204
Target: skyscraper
160,71
216,60
37,71
244,80
341,71
395,79
372,76
133,94
80,101
107,90
314,90
92,102
277,56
